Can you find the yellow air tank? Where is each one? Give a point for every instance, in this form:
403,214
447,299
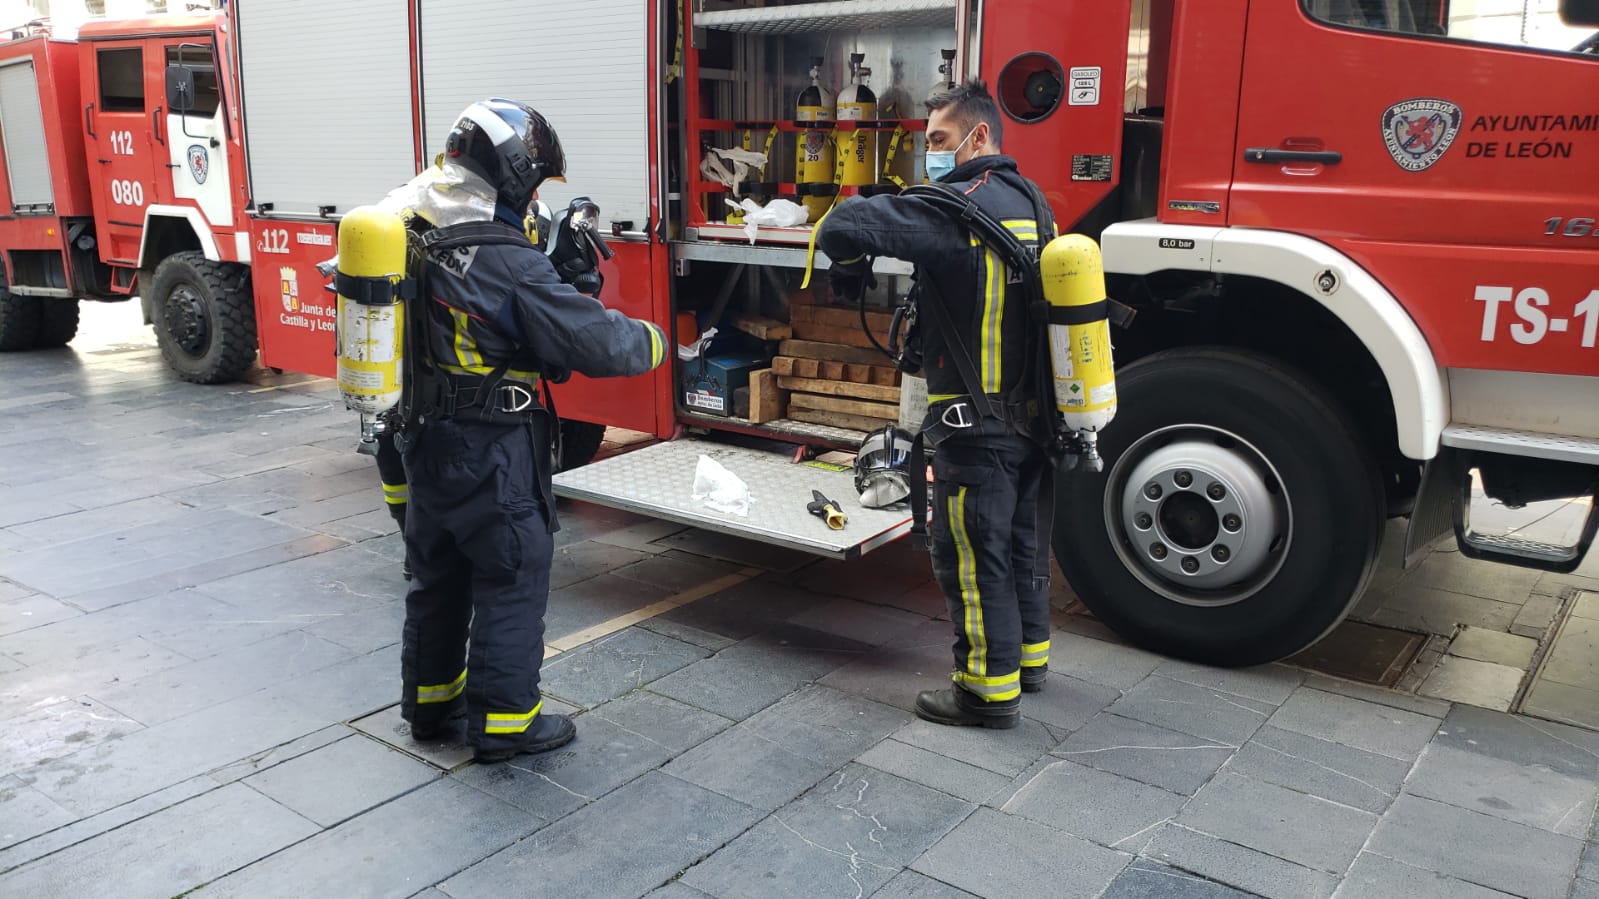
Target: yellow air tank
1079,334
814,146
858,149
371,313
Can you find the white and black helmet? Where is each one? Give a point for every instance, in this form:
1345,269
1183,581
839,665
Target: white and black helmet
510,145
882,467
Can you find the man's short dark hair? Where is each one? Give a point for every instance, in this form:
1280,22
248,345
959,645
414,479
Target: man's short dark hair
970,103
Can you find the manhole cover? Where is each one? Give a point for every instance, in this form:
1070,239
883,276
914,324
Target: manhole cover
1362,652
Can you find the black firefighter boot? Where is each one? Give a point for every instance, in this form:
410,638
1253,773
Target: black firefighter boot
549,731
1034,677
960,707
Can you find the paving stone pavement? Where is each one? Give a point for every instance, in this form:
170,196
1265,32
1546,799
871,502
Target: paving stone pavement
199,609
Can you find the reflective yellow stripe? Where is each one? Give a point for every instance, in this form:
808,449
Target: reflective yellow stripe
941,397
993,312
442,692
655,345
465,346
396,494
1035,654
511,373
966,574
993,689
511,723
1024,229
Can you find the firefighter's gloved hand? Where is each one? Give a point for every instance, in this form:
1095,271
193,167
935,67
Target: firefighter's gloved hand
850,281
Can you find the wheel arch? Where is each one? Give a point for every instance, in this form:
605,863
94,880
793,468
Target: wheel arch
173,229
1306,288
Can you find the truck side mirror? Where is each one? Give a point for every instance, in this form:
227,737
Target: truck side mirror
1580,13
180,88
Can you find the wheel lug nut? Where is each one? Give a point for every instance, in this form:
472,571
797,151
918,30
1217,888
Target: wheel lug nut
1143,521
1231,522
1190,564
1216,491
1183,479
1153,491
1158,551
1221,553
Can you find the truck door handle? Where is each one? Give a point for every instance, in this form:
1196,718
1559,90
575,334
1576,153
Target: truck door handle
88,125
1271,155
155,125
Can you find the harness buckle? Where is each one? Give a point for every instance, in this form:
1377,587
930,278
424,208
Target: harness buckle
959,411
515,398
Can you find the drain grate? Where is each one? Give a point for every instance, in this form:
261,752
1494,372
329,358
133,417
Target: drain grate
1362,652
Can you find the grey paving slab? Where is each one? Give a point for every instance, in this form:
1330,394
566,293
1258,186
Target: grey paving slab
1500,648
850,834
952,776
780,752
341,780
1586,606
1421,705
10,591
177,691
861,622
611,666
1100,662
1589,870
605,755
1377,877
1537,616
1008,752
1439,612
1238,866
394,850
1340,719
1558,702
203,573
1479,849
673,570
1096,805
363,630
742,610
1574,658
104,520
1333,771
26,813
8,665
447,753
576,856
1271,684
737,550
641,536
1019,855
743,679
1154,755
32,610
1303,829
1067,703
109,774
581,561
917,659
83,637
914,885
673,890
1585,889
1144,879
310,589
600,598
277,755
83,828
1522,740
1472,682
169,852
1201,711
1525,794
59,729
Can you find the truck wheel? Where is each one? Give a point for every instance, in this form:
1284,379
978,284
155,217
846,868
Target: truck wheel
58,323
19,321
204,318
579,442
1238,517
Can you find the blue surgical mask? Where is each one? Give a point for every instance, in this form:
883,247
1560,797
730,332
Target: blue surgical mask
942,162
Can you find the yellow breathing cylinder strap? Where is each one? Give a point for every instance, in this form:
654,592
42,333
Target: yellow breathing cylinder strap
888,161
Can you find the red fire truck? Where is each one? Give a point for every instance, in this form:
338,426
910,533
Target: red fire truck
1362,252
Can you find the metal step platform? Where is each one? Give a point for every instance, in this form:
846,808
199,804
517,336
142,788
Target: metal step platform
658,480
1581,450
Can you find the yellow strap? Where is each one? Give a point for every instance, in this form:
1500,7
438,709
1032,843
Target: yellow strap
676,68
888,161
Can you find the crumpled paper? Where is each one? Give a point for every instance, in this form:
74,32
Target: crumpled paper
779,213
722,490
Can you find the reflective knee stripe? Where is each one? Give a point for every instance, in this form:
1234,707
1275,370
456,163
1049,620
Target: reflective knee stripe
511,722
992,689
971,597
1035,654
396,494
442,692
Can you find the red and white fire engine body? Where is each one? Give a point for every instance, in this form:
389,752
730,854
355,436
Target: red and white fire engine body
1362,251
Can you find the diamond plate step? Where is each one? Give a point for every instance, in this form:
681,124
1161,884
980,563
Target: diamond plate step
1582,450
658,481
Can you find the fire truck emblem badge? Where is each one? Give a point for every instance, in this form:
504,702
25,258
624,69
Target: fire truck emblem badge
199,163
1419,131
291,288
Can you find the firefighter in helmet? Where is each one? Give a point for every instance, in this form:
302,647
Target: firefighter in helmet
491,315
990,529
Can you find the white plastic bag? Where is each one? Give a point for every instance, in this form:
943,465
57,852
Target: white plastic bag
730,166
779,213
722,490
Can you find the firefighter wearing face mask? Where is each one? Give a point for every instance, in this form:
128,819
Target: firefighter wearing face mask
489,317
989,537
